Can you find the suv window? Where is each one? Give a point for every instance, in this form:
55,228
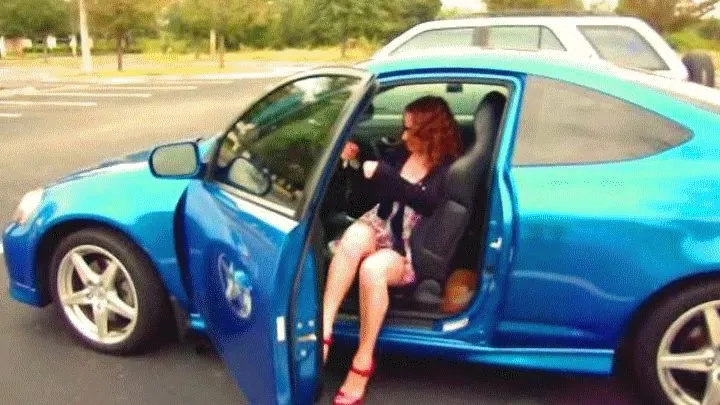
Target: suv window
562,123
521,38
283,137
437,38
623,46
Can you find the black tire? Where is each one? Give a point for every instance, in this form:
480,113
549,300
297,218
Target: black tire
700,68
648,338
153,307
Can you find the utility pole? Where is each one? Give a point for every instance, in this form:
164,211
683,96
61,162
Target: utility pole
84,39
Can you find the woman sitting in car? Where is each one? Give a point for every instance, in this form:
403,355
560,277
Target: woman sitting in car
377,245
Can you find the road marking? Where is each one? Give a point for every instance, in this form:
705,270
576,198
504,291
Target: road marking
104,95
202,81
96,87
50,103
10,115
117,87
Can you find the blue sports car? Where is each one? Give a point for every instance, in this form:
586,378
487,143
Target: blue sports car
586,206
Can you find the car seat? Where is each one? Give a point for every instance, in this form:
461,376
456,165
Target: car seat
435,239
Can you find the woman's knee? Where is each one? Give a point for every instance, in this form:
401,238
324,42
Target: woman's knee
358,238
373,272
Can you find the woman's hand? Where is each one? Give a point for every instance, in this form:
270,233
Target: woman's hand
369,168
350,151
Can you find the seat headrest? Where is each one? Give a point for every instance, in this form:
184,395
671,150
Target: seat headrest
466,173
487,119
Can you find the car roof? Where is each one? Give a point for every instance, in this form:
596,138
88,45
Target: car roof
543,62
557,65
527,20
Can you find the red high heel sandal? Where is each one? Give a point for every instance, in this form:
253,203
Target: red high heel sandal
342,398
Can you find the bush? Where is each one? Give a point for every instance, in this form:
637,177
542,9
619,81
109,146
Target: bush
689,39
163,45
59,50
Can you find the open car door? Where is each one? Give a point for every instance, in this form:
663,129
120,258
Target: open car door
251,269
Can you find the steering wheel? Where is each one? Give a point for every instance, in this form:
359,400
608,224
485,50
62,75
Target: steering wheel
383,143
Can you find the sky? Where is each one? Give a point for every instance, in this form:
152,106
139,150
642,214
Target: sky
475,5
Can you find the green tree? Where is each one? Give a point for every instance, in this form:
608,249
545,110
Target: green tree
237,20
516,5
119,18
192,20
403,14
334,21
34,19
667,15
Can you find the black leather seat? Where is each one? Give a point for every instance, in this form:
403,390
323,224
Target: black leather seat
435,240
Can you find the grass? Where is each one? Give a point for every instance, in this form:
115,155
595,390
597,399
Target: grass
184,64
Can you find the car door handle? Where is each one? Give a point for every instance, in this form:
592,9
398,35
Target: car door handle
311,337
496,244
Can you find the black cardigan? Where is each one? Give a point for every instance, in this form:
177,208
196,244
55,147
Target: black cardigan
389,187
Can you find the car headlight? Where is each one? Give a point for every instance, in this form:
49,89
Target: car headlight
28,204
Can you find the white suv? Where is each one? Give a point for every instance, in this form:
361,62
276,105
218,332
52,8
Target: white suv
625,41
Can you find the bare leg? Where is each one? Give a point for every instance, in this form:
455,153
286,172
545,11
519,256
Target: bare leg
357,243
383,268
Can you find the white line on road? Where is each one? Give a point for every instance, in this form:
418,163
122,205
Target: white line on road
104,95
10,115
96,87
118,87
50,103
197,81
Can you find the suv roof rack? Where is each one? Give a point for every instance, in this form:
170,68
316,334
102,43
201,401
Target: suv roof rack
539,13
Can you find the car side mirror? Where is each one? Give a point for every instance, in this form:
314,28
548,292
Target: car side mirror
248,176
177,160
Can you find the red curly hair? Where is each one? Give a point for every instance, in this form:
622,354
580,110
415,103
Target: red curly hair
435,126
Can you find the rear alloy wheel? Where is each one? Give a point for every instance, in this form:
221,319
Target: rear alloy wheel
106,292
677,351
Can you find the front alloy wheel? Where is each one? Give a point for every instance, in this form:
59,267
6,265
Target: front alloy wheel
97,294
107,292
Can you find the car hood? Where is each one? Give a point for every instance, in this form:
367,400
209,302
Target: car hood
132,162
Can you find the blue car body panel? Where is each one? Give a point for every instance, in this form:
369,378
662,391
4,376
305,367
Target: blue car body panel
121,194
580,247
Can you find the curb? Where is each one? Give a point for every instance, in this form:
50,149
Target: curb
274,73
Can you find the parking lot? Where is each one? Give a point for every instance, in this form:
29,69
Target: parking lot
49,129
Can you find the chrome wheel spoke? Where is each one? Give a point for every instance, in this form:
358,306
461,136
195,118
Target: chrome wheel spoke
77,298
108,276
118,306
712,390
100,313
86,274
712,321
97,294
701,361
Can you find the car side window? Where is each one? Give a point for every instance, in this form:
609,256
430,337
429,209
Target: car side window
562,123
523,38
273,149
437,38
623,46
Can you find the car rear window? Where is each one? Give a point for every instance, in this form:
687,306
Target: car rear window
448,37
623,46
563,123
519,38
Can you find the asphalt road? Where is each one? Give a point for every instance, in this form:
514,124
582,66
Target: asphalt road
41,364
